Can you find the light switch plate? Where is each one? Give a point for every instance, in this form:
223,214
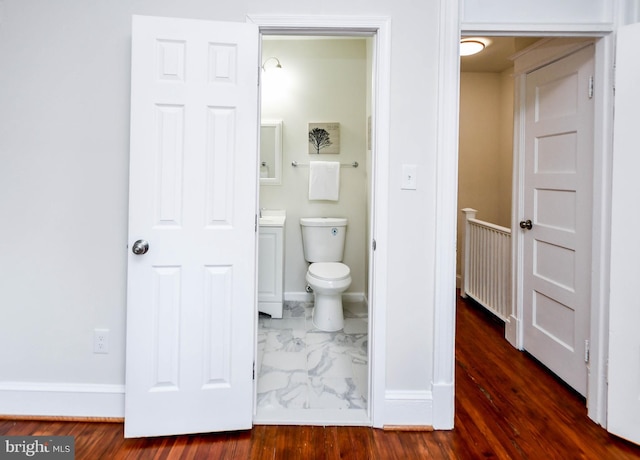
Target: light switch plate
409,177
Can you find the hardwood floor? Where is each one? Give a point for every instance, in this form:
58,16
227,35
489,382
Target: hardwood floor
507,407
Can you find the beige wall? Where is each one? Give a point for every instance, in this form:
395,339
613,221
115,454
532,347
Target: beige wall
322,80
485,147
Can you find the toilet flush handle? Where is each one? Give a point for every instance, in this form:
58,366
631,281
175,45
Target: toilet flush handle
140,247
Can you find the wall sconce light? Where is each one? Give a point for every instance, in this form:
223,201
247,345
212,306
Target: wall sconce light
470,46
277,66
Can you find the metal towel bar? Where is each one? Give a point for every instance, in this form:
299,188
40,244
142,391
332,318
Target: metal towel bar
355,164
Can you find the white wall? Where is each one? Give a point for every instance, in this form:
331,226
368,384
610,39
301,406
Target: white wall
64,169
542,12
322,80
64,139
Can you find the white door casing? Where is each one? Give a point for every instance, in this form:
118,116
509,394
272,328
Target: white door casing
558,138
193,178
346,25
623,418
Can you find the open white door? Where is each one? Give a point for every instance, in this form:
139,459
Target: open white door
193,178
624,309
557,215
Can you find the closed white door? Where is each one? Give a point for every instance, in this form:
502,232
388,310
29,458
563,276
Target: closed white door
623,414
193,177
557,215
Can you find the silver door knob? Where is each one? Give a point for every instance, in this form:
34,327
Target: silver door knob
140,247
526,224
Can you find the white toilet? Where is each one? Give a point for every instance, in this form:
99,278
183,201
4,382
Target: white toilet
323,243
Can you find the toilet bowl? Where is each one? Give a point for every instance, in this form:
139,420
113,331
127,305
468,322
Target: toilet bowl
328,281
323,240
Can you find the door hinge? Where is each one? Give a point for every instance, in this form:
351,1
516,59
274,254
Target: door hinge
373,245
255,225
613,79
254,371
586,350
591,87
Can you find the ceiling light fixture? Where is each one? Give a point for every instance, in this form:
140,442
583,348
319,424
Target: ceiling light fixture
277,66
469,47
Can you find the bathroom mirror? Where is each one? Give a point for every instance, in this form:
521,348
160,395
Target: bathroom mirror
271,152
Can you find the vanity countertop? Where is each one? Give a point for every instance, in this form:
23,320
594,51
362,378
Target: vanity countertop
272,217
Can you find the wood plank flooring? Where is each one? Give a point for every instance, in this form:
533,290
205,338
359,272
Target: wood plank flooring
507,407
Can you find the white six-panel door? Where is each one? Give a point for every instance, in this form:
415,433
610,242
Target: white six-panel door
193,178
558,202
623,415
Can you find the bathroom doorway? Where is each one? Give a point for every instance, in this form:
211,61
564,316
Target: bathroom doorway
303,375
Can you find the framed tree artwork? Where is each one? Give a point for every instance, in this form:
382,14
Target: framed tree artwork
324,138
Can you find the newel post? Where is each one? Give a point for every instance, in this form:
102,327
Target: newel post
469,213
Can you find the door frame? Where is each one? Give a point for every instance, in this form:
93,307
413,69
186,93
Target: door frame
379,27
602,159
446,213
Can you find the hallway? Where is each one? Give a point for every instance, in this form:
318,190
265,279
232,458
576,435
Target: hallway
510,406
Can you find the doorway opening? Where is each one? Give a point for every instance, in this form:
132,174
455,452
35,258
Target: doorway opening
304,375
486,88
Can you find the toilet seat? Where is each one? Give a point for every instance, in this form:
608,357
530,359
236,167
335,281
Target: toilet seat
329,271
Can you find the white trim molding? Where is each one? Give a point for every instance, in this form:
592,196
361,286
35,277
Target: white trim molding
601,231
545,51
513,328
62,399
507,29
446,217
328,24
409,408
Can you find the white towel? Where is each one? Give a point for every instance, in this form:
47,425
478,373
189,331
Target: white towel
324,180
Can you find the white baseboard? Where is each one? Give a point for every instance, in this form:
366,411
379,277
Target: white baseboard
61,399
308,297
97,400
406,408
298,297
443,406
511,332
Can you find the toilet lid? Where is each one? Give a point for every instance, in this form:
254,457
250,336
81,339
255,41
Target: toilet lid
330,271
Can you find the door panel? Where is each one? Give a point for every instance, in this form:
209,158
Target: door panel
624,309
557,154
191,297
558,200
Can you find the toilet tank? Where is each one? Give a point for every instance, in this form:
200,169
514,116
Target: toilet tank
323,238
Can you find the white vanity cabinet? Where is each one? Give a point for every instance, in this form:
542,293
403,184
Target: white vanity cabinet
271,264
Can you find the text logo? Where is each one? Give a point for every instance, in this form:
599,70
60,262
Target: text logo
37,447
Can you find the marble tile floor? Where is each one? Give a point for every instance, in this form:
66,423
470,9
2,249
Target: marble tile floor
302,368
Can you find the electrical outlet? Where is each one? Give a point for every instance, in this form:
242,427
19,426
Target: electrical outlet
101,340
